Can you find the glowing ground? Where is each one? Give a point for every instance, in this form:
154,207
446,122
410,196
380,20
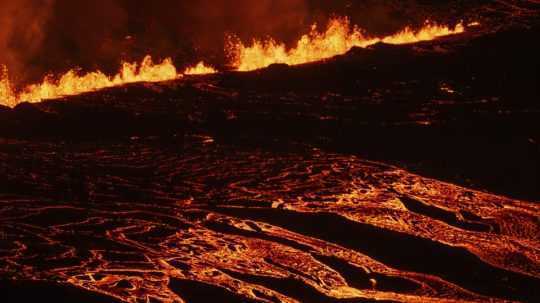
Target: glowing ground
393,173
308,225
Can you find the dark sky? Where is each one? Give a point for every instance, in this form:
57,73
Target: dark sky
37,36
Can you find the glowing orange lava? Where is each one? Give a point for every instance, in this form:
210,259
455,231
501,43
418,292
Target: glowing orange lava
72,83
339,37
200,69
6,91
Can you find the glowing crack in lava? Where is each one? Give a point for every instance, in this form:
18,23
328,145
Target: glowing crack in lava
200,69
338,38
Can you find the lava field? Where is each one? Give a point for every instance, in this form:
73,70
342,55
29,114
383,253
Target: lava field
391,173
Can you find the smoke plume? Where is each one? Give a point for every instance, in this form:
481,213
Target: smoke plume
22,24
50,36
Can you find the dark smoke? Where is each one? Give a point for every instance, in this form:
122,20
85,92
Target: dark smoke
42,36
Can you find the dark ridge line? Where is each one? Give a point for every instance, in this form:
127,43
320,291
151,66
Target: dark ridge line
354,276
453,264
199,292
360,279
227,229
447,217
293,288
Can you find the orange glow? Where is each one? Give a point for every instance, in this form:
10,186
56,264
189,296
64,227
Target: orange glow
6,91
71,83
340,36
200,69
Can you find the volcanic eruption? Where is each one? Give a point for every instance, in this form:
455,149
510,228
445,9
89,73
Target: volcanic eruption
269,151
338,38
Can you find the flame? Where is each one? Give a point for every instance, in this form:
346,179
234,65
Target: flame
338,38
200,69
71,83
6,91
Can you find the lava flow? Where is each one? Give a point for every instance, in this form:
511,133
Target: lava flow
338,38
392,173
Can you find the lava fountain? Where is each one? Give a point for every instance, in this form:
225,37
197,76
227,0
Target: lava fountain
72,83
338,38
200,69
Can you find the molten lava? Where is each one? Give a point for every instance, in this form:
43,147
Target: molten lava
200,69
71,83
6,95
338,38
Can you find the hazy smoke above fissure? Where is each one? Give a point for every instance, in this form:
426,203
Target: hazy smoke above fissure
42,36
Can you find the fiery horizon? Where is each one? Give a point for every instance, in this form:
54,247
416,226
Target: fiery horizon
338,38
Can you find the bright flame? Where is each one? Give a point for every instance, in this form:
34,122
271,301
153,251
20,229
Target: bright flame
200,69
338,38
6,91
71,83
